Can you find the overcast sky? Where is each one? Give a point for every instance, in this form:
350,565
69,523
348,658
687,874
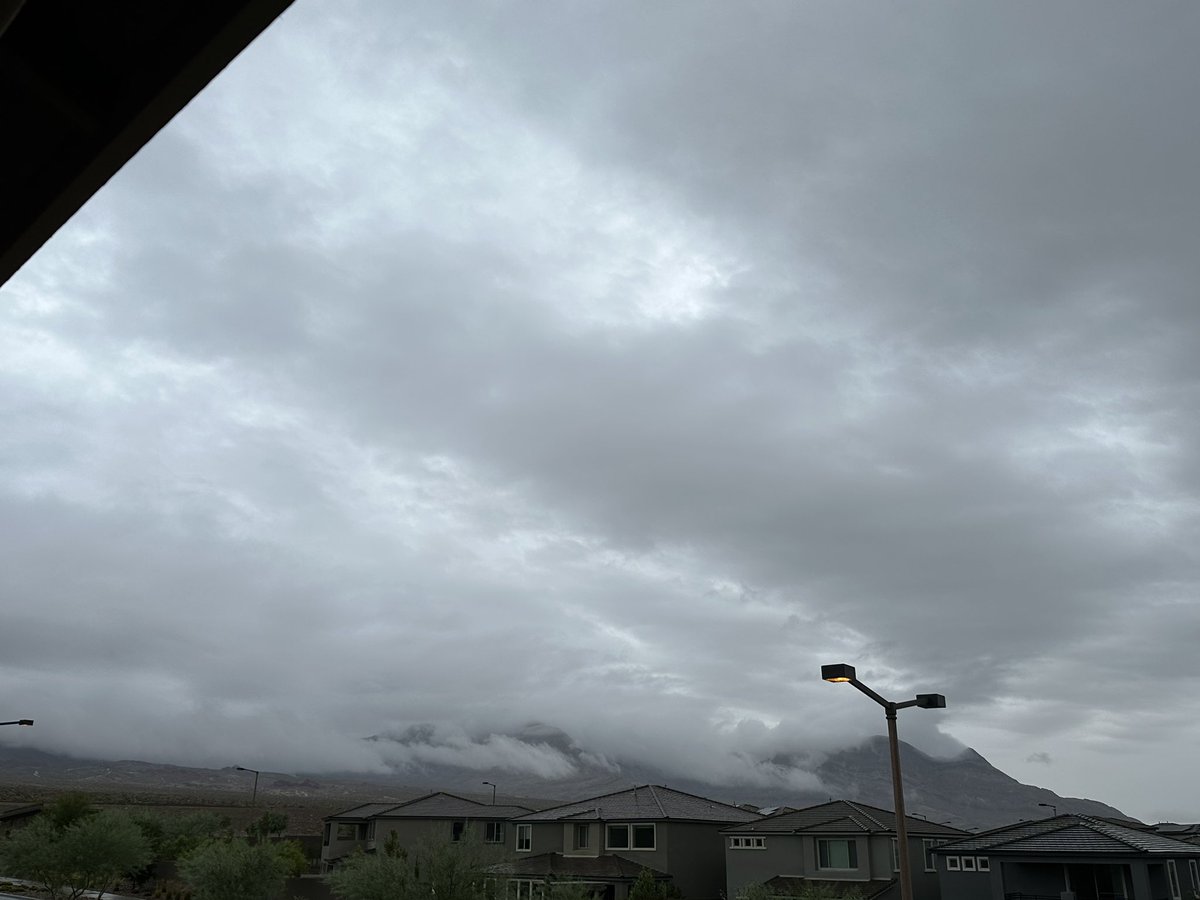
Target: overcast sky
614,365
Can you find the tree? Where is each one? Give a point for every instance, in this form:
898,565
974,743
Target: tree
235,870
647,887
269,823
90,853
171,837
456,870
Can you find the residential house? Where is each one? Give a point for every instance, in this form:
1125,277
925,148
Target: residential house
838,844
437,816
1071,856
606,842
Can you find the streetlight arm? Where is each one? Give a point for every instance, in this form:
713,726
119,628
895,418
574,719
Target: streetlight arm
25,722
870,693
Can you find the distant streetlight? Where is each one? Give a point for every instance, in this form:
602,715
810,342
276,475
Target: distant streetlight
254,794
1053,808
26,722
493,792
842,673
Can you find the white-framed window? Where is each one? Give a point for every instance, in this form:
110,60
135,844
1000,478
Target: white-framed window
747,843
895,854
524,838
347,831
968,864
982,864
952,864
1194,869
371,830
525,889
837,853
629,837
928,844
581,836
493,833
1173,878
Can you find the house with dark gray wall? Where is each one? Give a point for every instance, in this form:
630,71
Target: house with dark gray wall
1073,857
432,818
833,845
607,841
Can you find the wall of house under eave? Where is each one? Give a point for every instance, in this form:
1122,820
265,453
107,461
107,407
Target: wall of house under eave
782,855
696,858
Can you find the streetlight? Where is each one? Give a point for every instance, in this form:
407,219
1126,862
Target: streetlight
842,673
1052,807
254,794
26,722
493,792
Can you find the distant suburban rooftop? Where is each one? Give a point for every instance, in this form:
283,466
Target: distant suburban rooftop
650,802
438,805
1071,834
841,817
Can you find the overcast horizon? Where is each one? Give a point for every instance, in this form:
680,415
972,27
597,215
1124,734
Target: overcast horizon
615,366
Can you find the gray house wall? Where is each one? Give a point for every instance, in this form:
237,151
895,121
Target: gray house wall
1144,879
412,832
697,858
796,855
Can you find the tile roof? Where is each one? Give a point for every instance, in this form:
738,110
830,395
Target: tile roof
363,811
649,802
841,817
1071,834
439,805
606,867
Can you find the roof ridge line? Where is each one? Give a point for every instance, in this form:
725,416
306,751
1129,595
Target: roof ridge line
859,809
653,793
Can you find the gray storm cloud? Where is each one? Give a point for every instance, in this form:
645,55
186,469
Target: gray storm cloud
452,363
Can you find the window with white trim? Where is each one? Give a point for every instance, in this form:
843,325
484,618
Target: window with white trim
837,853
581,837
493,833
1194,868
927,845
524,838
371,830
968,864
982,864
952,864
895,854
1173,877
747,843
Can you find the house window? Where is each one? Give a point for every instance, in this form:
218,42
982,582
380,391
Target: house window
643,837
1173,877
371,830
952,864
1194,868
929,844
616,837
456,830
524,837
747,843
493,833
837,853
982,864
895,854
582,835
347,831
968,864
325,836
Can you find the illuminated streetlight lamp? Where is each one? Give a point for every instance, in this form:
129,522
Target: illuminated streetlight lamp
254,794
493,792
842,673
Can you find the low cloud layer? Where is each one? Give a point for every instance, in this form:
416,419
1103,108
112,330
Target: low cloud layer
615,366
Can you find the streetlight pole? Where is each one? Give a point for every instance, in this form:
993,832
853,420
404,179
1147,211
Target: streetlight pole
842,673
254,794
493,792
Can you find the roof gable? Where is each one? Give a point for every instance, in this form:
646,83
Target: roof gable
843,817
649,802
1071,834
